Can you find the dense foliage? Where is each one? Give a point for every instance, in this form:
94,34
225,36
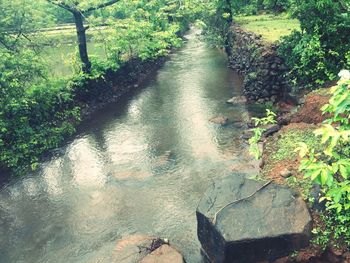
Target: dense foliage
329,166
37,111
219,14
253,7
314,54
319,51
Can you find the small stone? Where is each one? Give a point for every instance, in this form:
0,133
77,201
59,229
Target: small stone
346,255
270,129
246,135
222,120
286,173
336,251
237,100
274,98
163,159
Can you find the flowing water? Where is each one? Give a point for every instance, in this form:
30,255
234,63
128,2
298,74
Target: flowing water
138,167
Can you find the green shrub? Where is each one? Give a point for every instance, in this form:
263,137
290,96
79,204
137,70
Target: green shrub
38,113
330,165
258,131
317,53
277,6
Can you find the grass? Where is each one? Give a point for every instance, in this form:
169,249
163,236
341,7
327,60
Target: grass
60,58
284,147
61,48
270,27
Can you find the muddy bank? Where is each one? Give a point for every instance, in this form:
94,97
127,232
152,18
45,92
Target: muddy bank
281,164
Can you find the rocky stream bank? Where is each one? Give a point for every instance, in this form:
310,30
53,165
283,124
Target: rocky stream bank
269,220
260,64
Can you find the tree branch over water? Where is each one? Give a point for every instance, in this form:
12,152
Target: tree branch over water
100,6
79,17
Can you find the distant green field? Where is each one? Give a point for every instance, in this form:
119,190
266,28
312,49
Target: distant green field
59,58
271,27
62,47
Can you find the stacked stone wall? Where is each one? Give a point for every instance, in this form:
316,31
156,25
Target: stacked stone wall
264,71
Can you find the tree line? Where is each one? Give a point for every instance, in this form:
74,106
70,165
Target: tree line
38,111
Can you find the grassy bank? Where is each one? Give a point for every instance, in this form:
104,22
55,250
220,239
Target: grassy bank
60,58
270,27
40,111
60,49
312,157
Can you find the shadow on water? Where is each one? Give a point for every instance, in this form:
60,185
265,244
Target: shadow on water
138,166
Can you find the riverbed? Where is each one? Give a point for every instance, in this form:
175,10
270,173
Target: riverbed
139,166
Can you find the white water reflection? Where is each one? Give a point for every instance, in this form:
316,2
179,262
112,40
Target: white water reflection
51,178
87,164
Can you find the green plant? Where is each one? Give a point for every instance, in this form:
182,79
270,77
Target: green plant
322,236
269,119
318,52
330,166
38,112
303,186
258,132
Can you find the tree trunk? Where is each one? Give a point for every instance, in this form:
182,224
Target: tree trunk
79,24
228,9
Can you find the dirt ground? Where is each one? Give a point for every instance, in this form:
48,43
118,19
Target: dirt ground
308,116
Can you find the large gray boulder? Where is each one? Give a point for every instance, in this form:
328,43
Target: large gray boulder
242,220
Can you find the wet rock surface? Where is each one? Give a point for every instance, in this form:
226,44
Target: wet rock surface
221,120
241,220
237,100
163,254
268,130
136,248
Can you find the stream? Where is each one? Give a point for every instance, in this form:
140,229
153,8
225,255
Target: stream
139,166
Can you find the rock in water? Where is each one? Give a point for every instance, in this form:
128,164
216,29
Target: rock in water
270,129
163,254
134,248
237,100
163,159
219,120
145,249
255,222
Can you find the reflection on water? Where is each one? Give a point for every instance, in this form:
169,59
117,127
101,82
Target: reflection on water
139,166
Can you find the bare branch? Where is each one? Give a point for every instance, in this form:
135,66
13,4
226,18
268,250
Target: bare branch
100,6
